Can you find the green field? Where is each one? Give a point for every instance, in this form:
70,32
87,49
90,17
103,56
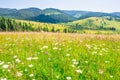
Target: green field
96,25
93,25
59,56
95,22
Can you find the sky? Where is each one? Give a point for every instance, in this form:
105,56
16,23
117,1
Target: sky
87,5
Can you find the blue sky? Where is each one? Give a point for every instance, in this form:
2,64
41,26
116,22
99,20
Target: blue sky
89,5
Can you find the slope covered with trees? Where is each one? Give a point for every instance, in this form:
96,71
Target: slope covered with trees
51,15
87,14
94,24
7,24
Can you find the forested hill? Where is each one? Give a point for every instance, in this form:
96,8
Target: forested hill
95,24
87,14
9,25
51,15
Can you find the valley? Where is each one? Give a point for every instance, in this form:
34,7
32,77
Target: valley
56,44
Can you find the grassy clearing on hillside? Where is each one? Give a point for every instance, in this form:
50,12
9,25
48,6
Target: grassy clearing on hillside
59,56
96,25
97,21
40,24
36,24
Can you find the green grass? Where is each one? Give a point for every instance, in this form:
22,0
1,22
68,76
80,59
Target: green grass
98,32
57,56
41,24
95,25
97,21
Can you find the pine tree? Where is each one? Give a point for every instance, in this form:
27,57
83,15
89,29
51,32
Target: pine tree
53,29
2,24
65,30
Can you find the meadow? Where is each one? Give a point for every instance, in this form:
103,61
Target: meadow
59,56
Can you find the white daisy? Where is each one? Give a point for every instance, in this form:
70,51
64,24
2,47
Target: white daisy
5,66
67,55
79,71
68,78
111,76
3,79
19,74
31,65
17,60
31,75
29,58
1,63
14,56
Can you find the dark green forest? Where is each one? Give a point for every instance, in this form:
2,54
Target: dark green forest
51,15
7,24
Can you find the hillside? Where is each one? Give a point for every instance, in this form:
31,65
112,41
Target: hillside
95,23
20,14
88,25
49,15
87,14
52,15
26,13
7,24
116,13
6,11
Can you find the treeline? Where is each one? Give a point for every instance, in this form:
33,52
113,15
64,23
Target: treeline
53,18
7,24
90,27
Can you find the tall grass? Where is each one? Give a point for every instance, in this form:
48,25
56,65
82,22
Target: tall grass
59,56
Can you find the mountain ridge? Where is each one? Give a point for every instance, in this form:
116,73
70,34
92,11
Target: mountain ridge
52,15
